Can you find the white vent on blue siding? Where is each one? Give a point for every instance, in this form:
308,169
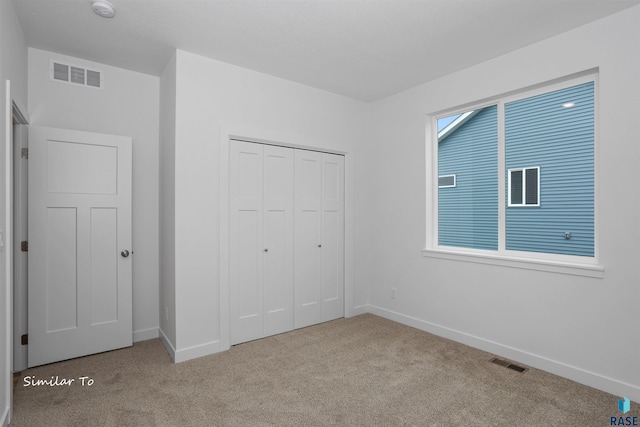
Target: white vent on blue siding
75,75
447,181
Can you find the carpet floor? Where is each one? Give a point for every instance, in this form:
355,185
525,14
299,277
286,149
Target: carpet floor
361,371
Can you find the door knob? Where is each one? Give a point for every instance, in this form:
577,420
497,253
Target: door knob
124,253
319,246
266,250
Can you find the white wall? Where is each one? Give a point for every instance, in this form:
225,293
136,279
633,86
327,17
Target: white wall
128,105
583,328
211,98
168,204
13,67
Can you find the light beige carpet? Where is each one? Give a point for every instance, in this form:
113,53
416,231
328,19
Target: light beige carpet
362,371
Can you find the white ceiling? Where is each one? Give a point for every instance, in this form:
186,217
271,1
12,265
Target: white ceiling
363,49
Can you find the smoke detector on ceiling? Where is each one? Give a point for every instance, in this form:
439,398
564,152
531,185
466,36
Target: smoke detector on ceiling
103,8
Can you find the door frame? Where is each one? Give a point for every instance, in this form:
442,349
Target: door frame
227,133
20,221
13,114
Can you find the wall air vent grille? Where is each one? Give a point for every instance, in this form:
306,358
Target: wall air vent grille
60,72
509,365
94,78
76,75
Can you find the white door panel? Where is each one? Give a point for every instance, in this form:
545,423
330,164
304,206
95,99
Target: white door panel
80,287
76,168
248,293
319,227
278,240
261,242
60,279
308,222
245,246
104,265
332,236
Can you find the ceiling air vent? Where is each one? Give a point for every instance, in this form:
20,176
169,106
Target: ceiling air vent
77,75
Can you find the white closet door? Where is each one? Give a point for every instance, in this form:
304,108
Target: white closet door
278,240
245,246
286,245
319,237
308,243
332,236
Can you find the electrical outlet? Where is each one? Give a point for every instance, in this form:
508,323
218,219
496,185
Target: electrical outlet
393,293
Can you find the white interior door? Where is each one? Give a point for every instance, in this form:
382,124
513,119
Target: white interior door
80,272
308,238
332,236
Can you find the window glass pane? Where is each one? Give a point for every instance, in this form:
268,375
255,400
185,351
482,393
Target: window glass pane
516,187
447,181
468,149
446,121
554,131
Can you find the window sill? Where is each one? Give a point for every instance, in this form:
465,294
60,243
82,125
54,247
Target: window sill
585,270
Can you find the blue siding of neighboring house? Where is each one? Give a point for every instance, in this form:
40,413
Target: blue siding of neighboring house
540,132
468,213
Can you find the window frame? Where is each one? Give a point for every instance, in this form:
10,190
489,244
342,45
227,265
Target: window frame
558,263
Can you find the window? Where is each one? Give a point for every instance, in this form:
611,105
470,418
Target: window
524,186
468,147
523,175
447,181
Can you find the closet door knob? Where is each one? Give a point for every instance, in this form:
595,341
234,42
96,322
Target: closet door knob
266,250
319,245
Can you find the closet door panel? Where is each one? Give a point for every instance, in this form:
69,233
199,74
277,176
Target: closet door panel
248,290
307,258
332,237
246,246
278,240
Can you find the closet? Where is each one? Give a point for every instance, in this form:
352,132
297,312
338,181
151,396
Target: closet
286,239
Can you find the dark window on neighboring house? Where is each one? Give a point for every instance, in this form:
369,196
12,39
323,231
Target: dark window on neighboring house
524,184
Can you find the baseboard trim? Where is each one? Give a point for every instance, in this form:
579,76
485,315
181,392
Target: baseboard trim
189,353
591,379
360,309
145,334
197,351
167,344
5,418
